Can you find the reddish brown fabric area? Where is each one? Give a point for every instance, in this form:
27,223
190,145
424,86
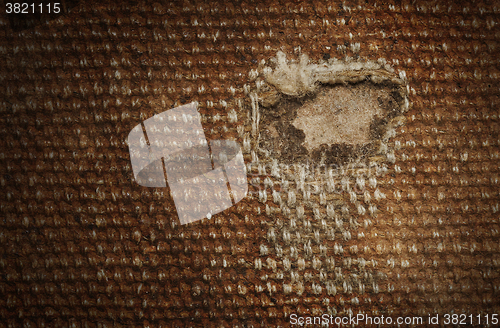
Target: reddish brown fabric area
82,245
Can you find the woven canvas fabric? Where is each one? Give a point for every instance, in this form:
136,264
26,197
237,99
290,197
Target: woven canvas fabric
83,245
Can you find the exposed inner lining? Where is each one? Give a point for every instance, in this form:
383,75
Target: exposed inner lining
337,124
341,114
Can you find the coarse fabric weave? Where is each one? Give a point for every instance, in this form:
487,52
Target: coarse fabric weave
83,245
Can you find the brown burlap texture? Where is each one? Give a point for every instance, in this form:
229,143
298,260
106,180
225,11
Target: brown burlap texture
82,245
